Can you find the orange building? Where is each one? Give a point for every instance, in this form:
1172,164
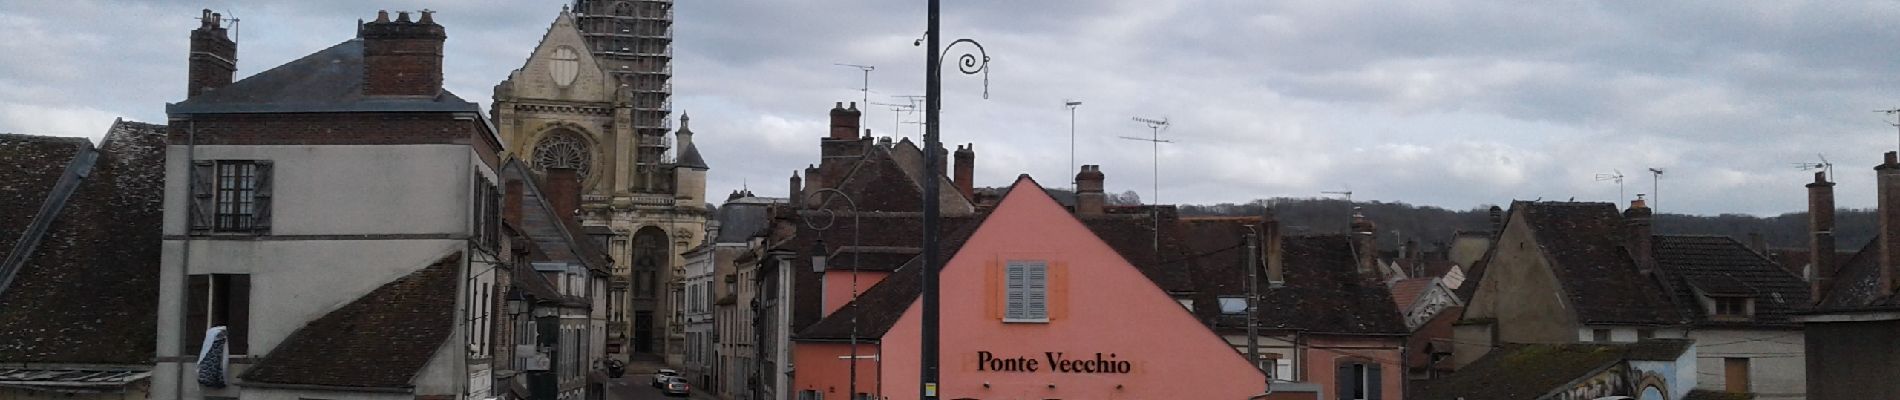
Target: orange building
1035,306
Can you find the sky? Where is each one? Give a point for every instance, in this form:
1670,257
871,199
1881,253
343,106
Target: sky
1456,104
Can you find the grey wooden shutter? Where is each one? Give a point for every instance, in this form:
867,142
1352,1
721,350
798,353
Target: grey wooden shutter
203,187
1344,382
1372,382
1036,290
197,301
260,211
1015,285
237,292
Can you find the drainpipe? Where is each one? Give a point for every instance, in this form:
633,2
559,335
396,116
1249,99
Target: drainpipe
184,264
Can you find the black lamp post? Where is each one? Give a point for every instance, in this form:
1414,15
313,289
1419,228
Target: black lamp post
969,64
819,262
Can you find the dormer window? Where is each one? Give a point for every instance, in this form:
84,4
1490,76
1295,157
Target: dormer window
1731,307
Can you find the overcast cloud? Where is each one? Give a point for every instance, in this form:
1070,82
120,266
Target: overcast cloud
1447,103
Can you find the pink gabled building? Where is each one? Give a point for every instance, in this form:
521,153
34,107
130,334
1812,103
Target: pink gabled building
1035,305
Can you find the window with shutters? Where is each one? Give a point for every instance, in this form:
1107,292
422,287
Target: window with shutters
487,209
1358,380
1026,291
231,196
219,300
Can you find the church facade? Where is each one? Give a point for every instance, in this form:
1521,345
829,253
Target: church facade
594,97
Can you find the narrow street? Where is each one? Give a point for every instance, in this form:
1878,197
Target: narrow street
640,387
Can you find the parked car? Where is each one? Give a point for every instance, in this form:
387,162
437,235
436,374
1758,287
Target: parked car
660,377
677,386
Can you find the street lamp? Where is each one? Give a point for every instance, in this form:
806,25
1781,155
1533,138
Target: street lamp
820,257
968,64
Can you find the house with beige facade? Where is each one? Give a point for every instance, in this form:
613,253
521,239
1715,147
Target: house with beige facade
1565,272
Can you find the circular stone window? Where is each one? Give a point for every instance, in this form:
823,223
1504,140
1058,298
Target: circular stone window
563,149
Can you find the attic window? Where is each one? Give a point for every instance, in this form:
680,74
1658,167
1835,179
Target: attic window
1736,307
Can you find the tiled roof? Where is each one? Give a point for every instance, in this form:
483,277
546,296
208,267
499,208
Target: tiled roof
1719,265
329,80
878,308
1325,293
85,293
72,380
1323,290
1584,244
1406,291
1531,371
381,340
31,165
1171,265
1857,283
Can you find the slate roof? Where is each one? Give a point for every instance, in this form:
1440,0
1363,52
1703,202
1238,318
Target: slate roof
1519,371
555,239
1719,265
380,340
1584,245
329,80
739,221
689,157
85,294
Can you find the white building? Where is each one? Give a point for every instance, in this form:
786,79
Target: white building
337,217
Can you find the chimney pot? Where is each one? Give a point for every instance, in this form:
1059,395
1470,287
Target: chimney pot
402,58
1089,199
212,58
1636,221
382,16
966,170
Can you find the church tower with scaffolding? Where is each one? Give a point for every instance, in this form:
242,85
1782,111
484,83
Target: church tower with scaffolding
595,95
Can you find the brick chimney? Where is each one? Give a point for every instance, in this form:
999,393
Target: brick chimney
966,166
838,151
511,203
1889,189
1497,220
844,121
563,191
402,57
1365,245
1271,240
1089,199
1820,236
798,188
1636,220
213,56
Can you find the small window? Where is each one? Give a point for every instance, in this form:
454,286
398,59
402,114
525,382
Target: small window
1731,306
1026,291
1600,335
1233,305
1185,303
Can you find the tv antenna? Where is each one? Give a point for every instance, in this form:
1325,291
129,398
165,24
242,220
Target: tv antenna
1350,207
1826,167
1154,140
1655,188
897,113
1616,175
863,90
1071,105
1896,123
